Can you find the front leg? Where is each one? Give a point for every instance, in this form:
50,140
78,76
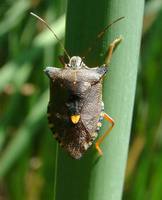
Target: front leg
111,49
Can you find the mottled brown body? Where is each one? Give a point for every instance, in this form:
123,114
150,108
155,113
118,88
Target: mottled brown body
75,110
75,92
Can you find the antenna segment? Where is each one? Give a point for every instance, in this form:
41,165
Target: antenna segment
45,23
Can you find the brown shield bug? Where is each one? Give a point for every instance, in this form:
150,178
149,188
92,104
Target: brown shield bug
75,109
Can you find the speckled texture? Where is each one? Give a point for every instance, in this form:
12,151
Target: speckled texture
73,92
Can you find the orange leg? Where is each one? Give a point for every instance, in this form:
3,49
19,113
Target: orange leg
111,49
99,141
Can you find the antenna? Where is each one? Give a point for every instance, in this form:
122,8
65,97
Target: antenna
100,35
45,23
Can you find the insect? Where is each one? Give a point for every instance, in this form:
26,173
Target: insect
76,109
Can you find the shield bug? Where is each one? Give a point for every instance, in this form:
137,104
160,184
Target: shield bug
76,110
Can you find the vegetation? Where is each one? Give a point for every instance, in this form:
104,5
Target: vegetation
31,164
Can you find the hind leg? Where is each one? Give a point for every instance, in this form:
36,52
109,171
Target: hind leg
99,141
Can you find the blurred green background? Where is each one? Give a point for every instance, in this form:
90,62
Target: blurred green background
27,148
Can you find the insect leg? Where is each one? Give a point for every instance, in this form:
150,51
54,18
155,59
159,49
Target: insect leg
62,60
111,48
99,141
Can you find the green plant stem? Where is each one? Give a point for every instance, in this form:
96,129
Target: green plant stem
102,178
